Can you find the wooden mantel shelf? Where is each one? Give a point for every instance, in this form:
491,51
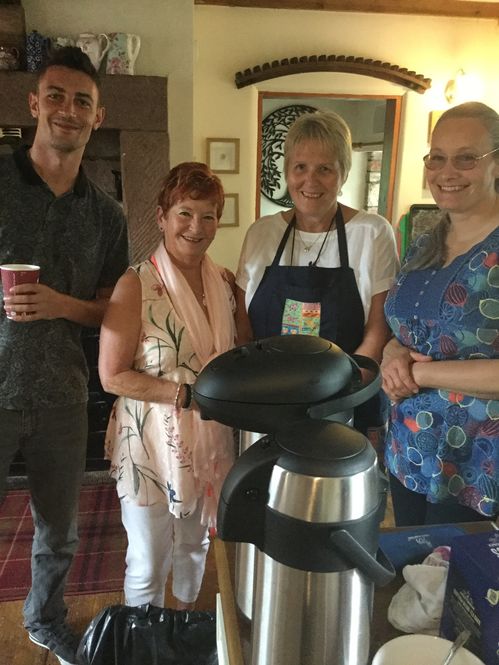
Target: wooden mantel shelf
455,8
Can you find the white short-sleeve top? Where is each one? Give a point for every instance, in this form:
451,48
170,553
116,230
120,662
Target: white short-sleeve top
372,253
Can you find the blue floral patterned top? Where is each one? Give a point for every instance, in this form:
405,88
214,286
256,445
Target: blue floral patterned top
440,443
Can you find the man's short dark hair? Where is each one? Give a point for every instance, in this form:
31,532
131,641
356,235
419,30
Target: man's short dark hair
71,57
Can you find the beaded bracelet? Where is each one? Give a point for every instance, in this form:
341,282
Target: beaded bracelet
188,396
177,395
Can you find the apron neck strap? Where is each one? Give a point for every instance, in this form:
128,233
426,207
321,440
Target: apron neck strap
342,240
283,242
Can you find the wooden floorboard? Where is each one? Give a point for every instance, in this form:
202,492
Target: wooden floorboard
16,649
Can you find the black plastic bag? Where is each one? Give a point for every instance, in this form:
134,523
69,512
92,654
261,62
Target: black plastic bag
148,635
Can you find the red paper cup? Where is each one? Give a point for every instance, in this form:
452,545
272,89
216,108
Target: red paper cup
18,273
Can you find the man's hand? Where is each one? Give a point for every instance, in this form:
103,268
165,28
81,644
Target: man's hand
32,302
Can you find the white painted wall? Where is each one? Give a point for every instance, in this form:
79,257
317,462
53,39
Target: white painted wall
353,191
230,39
166,31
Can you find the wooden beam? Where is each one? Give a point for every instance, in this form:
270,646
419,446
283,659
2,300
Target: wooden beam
455,8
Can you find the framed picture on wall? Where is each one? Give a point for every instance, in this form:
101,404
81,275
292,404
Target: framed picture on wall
230,215
222,155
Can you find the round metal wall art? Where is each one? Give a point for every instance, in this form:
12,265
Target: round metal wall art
274,129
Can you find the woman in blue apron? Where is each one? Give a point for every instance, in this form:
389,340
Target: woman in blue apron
321,268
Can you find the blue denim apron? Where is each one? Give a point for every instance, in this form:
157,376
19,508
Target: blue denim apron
330,295
332,292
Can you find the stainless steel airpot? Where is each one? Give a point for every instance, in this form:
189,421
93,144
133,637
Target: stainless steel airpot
309,496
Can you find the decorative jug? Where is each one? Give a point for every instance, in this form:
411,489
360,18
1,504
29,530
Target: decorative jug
37,48
95,46
123,51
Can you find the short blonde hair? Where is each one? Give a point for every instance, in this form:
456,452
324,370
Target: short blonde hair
329,129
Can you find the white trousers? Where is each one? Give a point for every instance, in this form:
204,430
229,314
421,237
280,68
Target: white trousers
157,543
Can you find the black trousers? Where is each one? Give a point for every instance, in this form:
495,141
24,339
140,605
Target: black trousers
412,509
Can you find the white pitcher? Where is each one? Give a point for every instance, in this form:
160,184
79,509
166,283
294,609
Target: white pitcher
95,46
123,51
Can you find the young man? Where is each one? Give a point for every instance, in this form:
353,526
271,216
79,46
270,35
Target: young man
52,216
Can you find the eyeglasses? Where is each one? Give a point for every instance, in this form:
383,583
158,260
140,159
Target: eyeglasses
463,162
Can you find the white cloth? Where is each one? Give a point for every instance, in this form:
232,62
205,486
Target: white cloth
417,606
158,543
372,253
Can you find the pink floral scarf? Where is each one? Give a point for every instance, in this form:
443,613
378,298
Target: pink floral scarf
213,443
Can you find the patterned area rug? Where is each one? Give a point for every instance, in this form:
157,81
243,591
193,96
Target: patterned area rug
99,564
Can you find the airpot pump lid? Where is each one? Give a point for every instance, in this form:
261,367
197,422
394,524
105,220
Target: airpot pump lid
291,369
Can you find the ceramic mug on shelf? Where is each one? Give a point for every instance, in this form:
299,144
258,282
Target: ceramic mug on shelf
95,46
9,58
123,52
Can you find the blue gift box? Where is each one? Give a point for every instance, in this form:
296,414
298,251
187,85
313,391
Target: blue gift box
409,546
472,594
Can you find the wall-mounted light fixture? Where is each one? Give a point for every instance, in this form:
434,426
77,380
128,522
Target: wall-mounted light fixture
463,88
452,86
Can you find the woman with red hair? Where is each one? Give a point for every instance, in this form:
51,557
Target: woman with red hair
167,318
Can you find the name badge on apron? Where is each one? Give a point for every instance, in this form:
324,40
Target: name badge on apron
301,318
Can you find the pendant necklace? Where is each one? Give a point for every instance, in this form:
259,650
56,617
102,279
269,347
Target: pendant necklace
307,249
198,293
201,298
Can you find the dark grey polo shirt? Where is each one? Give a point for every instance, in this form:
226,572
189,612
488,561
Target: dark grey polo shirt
80,242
